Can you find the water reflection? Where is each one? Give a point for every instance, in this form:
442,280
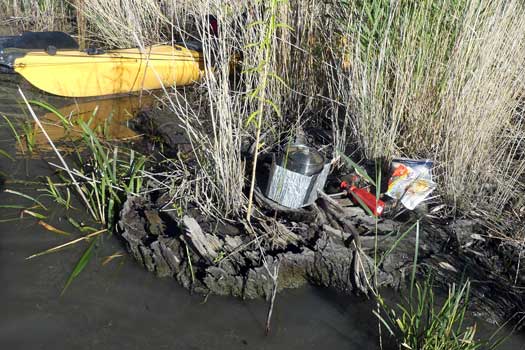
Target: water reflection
106,117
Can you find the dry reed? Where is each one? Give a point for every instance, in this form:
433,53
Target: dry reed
36,15
438,79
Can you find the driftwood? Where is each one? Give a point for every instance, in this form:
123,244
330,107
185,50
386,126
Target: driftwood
329,244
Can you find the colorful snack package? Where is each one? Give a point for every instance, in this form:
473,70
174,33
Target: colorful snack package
410,182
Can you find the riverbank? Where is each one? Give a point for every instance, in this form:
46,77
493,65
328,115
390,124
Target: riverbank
182,186
321,255
315,246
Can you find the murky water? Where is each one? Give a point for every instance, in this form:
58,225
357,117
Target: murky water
120,304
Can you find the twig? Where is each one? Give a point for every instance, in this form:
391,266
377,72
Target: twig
54,249
339,215
359,270
274,277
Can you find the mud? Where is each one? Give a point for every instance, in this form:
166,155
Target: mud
230,261
330,244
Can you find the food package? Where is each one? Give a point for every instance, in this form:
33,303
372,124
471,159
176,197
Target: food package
411,181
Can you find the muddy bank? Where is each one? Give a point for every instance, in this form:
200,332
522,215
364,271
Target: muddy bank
331,244
318,248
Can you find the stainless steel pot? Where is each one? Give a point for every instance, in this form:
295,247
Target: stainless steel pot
303,160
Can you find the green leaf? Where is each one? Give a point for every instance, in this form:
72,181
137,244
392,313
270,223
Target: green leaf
10,220
8,206
278,78
249,46
34,214
395,244
251,117
363,205
274,106
284,25
81,264
414,267
80,227
254,23
53,110
13,130
358,169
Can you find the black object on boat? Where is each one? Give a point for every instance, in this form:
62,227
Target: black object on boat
38,41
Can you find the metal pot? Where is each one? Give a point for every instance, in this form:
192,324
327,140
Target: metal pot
303,160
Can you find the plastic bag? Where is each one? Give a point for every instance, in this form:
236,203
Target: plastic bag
411,181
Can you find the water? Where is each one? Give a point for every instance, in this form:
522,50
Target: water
121,305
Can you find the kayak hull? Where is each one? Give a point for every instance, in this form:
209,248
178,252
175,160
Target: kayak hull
73,73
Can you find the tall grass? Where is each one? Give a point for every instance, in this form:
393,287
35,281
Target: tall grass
104,174
37,15
116,23
265,47
114,173
263,78
216,127
439,79
234,101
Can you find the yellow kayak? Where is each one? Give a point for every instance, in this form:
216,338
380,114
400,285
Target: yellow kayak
74,73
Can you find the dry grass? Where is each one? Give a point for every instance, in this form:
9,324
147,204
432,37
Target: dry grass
483,133
116,23
438,79
36,15
215,122
273,71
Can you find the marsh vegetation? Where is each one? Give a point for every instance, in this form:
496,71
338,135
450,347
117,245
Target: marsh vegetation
370,80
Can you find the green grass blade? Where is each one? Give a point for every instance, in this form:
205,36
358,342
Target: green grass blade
81,264
362,204
6,155
9,206
358,169
396,243
11,220
53,110
414,267
34,214
14,131
26,197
